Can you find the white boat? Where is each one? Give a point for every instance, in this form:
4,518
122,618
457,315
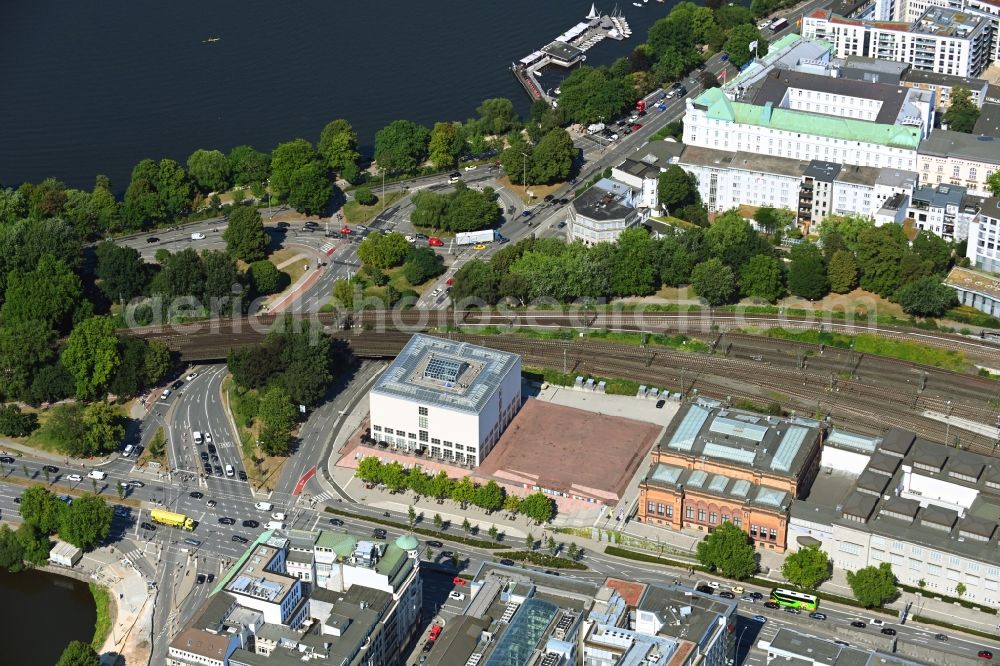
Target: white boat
637,4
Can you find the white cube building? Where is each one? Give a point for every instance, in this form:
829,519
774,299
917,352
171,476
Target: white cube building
448,400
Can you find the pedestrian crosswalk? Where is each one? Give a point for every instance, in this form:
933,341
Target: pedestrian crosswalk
322,497
132,557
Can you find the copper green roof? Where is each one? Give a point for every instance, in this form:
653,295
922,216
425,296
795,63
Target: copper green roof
340,543
720,107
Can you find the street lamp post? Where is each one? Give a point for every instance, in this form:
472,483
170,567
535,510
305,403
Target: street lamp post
524,176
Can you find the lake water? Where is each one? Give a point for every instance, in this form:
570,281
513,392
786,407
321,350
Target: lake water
40,614
94,87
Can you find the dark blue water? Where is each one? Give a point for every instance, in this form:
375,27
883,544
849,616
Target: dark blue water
40,613
93,87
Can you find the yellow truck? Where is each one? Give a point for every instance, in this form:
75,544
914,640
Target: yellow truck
172,519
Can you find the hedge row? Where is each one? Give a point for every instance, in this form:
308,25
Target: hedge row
951,600
467,541
954,627
544,560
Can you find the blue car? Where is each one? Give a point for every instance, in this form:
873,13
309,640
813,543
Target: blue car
724,57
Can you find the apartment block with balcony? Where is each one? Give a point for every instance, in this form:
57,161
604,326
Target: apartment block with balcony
944,210
983,251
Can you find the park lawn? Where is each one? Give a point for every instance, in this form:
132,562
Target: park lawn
38,439
399,281
355,213
263,470
540,191
293,270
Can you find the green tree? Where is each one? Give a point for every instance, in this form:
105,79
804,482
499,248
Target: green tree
466,525
277,414
158,191
734,241
121,271
463,492
713,281
401,146
931,247
25,348
86,522
497,116
537,506
222,278
11,550
265,278
105,427
873,586
91,355
728,550
493,532
471,210
511,503
78,653
676,188
210,170
422,264
438,521
50,384
476,280
34,545
960,589
338,145
993,183
249,167
15,423
762,278
369,470
310,189
633,273
394,476
552,158
156,361
364,196
807,273
286,160
880,252
962,112
66,429
590,95
926,297
842,272
489,497
807,567
245,236
445,145
738,44
384,250
42,509
49,293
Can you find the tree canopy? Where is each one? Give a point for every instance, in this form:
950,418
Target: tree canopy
86,522
338,145
245,236
927,297
807,567
962,112
78,653
210,170
384,250
401,146
728,550
464,209
873,586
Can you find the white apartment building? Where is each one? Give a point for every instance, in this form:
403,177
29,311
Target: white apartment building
956,158
642,172
263,584
927,509
944,210
941,39
983,248
911,10
819,128
605,210
447,400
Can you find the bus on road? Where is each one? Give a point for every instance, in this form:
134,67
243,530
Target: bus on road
793,599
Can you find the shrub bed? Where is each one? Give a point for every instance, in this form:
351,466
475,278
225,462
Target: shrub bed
544,560
468,541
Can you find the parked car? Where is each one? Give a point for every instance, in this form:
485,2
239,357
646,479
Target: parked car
74,477
211,503
148,526
241,475
458,580
507,563
727,595
457,596
195,494
888,631
226,520
817,616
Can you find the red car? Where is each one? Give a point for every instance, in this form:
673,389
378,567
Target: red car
434,241
346,230
636,127
435,632
985,654
450,281
458,581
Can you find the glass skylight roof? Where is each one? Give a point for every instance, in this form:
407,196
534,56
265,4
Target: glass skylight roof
444,369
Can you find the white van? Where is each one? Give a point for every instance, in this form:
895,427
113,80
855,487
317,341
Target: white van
275,525
128,450
197,236
230,471
97,474
263,506
197,437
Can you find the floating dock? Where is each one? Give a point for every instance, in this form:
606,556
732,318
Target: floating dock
568,50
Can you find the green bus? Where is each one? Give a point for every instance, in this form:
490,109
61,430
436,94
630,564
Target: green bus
793,599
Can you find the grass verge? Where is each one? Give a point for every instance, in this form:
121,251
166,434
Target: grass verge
612,387
437,534
954,627
544,560
873,344
951,600
355,213
105,615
